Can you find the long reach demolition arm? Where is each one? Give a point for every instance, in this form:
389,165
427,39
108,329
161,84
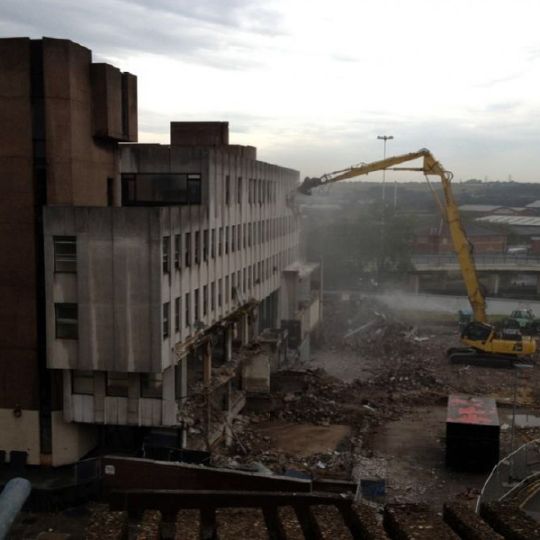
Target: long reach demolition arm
449,209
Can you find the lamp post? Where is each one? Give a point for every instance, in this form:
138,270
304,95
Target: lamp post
384,138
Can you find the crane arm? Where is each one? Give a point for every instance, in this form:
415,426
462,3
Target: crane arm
430,166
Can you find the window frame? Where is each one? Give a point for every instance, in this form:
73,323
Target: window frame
63,305
64,239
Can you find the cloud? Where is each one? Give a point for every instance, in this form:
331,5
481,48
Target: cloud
211,32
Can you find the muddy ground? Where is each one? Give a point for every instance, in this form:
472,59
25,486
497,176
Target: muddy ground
373,406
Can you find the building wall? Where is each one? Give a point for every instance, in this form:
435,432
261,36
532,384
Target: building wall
48,155
122,288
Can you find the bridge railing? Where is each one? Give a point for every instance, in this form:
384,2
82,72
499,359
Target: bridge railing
495,259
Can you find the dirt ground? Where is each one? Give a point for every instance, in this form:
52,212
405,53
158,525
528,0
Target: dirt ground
376,401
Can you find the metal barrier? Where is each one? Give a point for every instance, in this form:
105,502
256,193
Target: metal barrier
510,472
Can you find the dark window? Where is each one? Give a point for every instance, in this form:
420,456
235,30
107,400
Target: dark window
226,289
205,244
177,314
220,293
233,238
117,384
213,243
239,237
227,190
205,300
227,239
66,318
187,248
161,189
197,247
151,385
177,250
196,304
65,253
166,254
220,241
166,319
188,309
82,382
213,296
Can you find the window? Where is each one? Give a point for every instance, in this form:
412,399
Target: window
66,321
161,189
165,319
239,190
151,385
205,300
227,239
82,382
227,190
220,242
213,244
65,253
117,384
238,281
110,191
196,304
249,234
205,244
165,252
220,293
239,237
177,314
177,251
245,235
197,247
213,296
226,289
187,248
233,238
244,282
188,310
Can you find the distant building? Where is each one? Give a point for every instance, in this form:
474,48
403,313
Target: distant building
136,273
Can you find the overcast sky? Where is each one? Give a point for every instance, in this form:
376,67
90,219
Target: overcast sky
313,83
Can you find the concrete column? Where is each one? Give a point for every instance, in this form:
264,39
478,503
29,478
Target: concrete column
134,391
228,416
207,363
244,329
415,283
496,283
168,403
228,343
99,397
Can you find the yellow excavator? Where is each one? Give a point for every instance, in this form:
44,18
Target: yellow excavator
481,340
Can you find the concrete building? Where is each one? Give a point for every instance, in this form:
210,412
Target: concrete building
155,267
61,119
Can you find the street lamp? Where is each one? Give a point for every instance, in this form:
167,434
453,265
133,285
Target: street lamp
384,138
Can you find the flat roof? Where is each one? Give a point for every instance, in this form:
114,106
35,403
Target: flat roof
474,410
530,221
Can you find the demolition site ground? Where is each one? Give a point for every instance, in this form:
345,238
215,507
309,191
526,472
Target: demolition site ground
371,404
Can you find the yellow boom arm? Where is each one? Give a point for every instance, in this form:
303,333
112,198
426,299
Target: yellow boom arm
431,166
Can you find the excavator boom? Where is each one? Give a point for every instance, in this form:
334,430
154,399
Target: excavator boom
430,166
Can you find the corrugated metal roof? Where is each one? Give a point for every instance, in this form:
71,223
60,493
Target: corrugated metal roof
525,221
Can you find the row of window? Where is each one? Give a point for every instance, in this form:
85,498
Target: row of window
258,191
229,239
117,384
213,295
161,189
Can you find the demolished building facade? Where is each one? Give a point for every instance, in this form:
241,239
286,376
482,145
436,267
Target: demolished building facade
156,271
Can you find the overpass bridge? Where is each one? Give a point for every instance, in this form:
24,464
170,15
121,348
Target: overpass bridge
498,271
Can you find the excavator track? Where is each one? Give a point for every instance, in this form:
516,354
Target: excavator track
474,357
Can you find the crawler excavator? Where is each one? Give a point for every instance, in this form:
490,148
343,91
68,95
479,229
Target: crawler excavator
482,342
